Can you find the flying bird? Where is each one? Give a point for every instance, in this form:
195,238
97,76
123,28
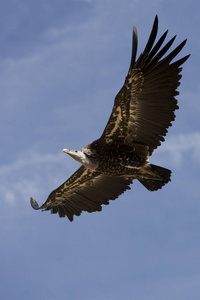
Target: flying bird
142,112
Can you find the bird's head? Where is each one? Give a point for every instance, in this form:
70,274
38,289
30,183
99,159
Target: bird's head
82,158
77,155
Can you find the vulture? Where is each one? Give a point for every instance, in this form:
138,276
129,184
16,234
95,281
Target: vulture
142,113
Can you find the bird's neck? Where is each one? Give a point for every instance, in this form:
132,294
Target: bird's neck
88,162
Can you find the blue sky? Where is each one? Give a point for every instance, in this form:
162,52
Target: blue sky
61,65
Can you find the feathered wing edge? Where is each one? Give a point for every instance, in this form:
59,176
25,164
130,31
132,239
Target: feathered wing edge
134,47
149,44
85,190
156,100
148,54
144,107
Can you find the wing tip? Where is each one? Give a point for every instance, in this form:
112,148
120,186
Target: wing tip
152,36
34,204
134,47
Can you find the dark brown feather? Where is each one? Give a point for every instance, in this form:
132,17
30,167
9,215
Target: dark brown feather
85,190
144,108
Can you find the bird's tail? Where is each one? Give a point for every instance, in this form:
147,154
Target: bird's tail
157,177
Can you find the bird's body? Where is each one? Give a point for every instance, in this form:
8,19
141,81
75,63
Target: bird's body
142,112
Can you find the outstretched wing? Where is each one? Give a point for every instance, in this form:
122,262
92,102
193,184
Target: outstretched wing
85,190
144,107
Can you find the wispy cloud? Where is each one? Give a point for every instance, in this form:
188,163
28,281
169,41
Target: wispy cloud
180,147
33,175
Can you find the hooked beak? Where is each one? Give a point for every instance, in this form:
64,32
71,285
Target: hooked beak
74,154
66,151
69,152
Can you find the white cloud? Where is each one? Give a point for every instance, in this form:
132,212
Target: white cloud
33,175
181,147
184,142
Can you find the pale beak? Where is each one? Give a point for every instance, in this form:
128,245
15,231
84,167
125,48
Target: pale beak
69,152
66,151
74,154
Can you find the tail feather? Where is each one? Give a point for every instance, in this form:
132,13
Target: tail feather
162,177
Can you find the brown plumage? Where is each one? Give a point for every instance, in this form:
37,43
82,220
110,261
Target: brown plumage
142,112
